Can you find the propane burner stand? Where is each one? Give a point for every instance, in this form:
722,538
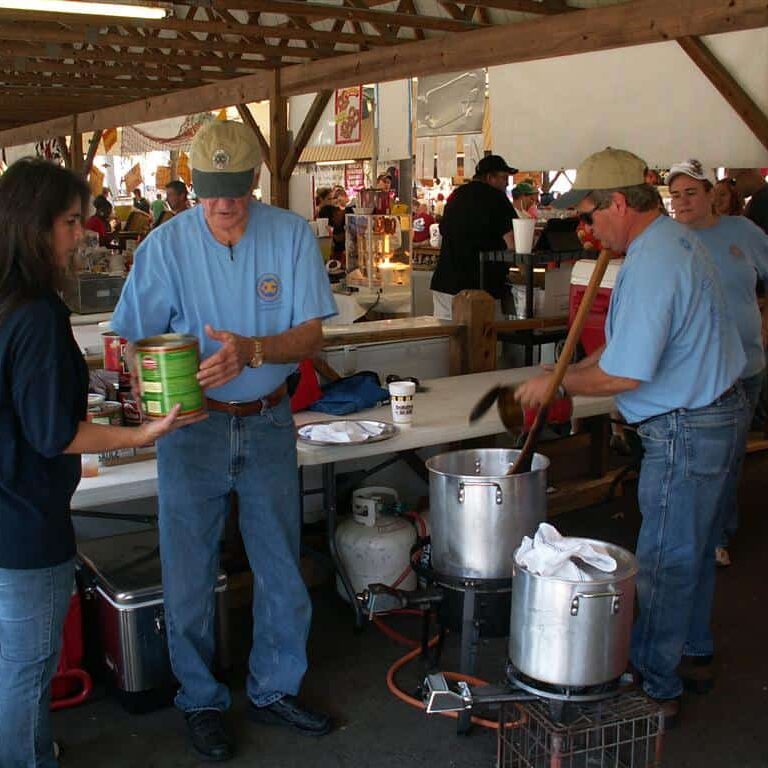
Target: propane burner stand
560,692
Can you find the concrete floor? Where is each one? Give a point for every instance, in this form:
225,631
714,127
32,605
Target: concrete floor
729,727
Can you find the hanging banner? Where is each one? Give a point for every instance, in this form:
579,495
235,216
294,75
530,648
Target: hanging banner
162,176
133,178
109,139
425,158
450,103
96,181
182,168
348,114
354,176
446,156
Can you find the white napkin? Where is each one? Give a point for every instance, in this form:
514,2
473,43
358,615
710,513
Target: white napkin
550,554
342,431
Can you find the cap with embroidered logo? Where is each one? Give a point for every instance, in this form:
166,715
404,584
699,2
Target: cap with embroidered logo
223,158
692,168
604,171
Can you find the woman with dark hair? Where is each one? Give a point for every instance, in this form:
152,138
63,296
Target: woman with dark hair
726,200
43,403
99,222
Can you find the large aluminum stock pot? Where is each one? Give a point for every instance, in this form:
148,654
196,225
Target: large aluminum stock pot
478,514
573,633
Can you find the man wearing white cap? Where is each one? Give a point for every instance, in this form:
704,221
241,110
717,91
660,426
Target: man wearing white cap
247,280
739,249
672,360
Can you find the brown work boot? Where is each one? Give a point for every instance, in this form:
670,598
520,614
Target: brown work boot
697,674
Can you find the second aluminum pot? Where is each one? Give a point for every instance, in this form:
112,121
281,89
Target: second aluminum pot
478,514
573,633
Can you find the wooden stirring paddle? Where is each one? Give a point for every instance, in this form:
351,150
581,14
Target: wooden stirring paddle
525,457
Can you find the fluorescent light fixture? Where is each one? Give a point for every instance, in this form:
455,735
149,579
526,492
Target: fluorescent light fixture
122,10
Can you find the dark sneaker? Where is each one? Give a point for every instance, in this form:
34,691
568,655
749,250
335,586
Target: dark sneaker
288,712
670,709
697,674
208,736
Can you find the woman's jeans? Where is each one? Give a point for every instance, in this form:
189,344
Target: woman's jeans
33,606
198,466
687,457
729,512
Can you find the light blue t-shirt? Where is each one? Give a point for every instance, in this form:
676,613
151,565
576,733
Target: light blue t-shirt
739,249
668,327
271,280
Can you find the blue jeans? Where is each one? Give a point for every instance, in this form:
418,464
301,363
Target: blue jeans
33,606
729,510
198,466
687,456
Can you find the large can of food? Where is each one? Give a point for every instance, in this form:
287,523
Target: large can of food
167,368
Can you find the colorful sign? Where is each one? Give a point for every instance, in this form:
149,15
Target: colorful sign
348,115
354,176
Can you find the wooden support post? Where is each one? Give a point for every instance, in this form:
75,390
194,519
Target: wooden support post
717,74
305,133
174,164
76,148
64,149
475,310
247,117
91,153
278,141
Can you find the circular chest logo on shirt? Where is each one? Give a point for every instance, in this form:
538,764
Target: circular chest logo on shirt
686,244
736,252
268,287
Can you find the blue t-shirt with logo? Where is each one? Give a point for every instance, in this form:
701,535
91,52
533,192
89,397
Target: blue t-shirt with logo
739,249
668,326
271,280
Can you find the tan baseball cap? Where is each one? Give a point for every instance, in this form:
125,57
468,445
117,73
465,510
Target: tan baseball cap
223,157
604,171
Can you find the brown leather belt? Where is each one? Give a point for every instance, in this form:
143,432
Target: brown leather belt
250,408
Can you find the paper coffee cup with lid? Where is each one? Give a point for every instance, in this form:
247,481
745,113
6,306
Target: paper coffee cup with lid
401,397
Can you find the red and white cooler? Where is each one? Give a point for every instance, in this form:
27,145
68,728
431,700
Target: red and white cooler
593,335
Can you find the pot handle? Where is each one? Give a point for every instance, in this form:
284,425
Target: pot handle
484,484
615,600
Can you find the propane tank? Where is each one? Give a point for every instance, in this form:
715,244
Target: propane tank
375,547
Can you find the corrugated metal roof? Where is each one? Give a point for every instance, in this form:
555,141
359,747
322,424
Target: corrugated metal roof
328,153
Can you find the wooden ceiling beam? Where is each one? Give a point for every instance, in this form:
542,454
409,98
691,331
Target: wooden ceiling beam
173,44
596,29
305,133
717,74
527,6
634,23
320,11
247,117
230,26
61,52
105,72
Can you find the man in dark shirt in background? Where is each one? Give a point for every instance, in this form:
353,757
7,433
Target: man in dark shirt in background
478,217
751,183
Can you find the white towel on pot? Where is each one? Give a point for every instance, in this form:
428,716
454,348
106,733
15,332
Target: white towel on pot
550,554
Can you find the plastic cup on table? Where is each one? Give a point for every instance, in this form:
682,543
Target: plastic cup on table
401,397
523,231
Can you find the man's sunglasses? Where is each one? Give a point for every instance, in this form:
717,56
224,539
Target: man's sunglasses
586,216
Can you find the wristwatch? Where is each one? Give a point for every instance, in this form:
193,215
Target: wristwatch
257,354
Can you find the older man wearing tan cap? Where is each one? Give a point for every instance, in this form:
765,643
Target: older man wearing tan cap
247,280
672,360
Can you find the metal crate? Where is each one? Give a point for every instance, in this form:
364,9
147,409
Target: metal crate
621,732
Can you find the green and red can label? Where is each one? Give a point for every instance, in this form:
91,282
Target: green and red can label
167,368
